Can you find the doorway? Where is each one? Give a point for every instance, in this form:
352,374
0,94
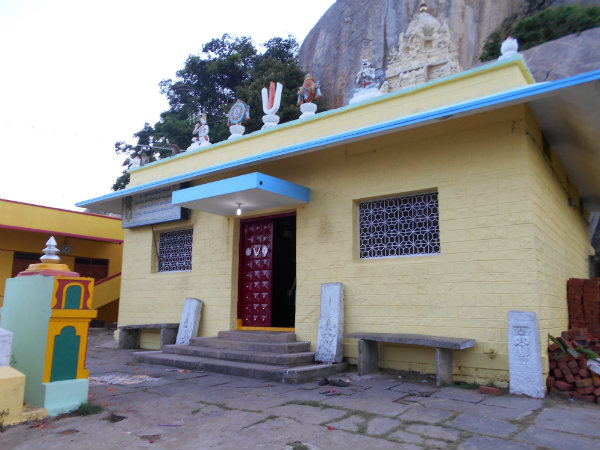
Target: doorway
267,294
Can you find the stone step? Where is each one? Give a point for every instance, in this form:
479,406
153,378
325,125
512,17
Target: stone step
304,374
254,346
288,359
285,374
261,336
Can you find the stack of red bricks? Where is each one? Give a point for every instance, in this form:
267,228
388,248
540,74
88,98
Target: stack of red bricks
583,301
570,375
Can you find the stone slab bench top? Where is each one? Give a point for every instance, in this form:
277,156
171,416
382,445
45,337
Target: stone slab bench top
150,326
416,339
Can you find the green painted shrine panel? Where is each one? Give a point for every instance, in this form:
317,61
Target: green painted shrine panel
73,297
66,353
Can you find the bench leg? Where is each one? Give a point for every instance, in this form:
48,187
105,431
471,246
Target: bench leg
443,365
129,338
368,356
168,336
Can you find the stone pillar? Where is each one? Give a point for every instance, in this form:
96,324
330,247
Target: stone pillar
524,355
368,356
444,365
190,321
331,324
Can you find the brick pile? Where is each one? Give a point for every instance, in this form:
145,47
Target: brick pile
569,374
583,301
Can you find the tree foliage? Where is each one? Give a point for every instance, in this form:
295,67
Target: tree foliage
227,69
546,25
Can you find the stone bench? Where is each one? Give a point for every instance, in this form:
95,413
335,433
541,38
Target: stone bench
129,335
368,352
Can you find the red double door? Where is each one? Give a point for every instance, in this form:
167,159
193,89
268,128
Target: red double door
256,273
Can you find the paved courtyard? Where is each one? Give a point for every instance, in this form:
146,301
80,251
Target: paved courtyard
148,406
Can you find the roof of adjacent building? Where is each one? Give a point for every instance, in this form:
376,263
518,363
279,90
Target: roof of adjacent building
60,222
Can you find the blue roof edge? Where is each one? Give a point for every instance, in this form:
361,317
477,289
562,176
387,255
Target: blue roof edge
505,97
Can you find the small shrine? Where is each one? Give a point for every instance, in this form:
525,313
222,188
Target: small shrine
425,52
48,308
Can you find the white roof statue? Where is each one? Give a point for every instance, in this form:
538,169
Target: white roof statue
509,48
271,101
201,129
368,80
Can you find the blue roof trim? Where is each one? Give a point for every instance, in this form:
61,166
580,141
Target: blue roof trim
512,96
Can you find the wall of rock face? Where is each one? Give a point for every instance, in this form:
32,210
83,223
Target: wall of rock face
355,29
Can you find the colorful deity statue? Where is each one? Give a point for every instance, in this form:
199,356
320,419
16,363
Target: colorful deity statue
367,76
368,82
309,91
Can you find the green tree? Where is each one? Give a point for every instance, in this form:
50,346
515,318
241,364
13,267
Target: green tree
144,140
546,25
227,68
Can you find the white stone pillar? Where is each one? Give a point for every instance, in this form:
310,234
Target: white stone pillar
331,324
190,321
524,355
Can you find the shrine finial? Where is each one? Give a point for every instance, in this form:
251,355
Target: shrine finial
50,253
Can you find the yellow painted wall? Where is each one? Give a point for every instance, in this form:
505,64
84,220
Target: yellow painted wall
12,391
502,215
561,237
15,214
151,297
56,222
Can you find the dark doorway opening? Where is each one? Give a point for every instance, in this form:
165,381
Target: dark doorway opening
284,271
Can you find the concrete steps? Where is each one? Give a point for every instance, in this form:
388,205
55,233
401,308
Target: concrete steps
257,354
290,359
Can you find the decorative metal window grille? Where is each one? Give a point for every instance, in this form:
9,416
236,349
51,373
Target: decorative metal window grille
400,226
175,251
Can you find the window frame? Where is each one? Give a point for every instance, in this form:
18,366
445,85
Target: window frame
159,256
433,243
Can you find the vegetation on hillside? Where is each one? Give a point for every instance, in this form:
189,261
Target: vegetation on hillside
543,26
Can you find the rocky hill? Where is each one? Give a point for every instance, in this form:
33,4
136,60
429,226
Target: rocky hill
355,29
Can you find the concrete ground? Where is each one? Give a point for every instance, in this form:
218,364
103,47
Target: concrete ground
148,406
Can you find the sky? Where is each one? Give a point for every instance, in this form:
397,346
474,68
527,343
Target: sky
76,76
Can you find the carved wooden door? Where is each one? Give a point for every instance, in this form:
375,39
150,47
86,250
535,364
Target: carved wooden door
256,272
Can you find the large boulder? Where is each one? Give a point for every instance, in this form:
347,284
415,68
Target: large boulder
565,57
351,30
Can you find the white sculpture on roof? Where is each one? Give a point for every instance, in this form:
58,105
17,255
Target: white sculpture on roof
271,100
425,52
508,49
368,81
201,129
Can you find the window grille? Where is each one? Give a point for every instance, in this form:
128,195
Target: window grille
175,251
400,226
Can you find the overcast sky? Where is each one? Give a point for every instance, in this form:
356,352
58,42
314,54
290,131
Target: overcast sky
78,75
